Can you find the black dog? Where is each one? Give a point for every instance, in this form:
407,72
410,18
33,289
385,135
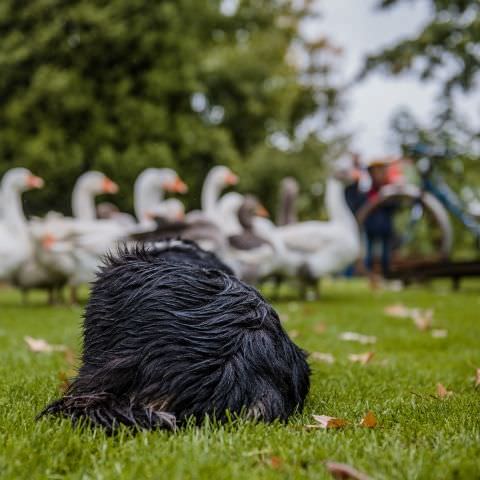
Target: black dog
168,337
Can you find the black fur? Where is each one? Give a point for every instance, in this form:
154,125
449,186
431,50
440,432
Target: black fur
166,339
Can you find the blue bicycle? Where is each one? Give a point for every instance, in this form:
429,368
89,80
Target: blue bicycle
422,212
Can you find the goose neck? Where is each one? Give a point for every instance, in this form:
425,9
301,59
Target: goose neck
83,202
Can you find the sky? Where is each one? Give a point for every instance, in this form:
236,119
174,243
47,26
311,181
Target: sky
360,29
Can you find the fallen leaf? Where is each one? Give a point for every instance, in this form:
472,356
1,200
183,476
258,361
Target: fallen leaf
65,383
477,378
343,471
307,310
369,420
437,333
323,357
357,337
293,333
276,462
324,421
423,319
442,392
319,328
362,358
39,345
397,310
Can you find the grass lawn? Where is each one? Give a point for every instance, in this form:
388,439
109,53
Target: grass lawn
418,435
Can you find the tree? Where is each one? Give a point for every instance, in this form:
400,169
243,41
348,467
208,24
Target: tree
446,50
122,85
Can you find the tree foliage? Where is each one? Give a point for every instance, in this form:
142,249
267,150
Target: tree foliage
447,48
447,51
122,85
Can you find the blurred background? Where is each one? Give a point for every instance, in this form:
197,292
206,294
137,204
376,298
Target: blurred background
268,88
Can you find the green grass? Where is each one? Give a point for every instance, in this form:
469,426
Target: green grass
419,436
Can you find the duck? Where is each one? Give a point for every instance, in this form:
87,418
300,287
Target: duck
87,187
328,246
248,239
67,248
287,211
169,211
203,226
51,270
217,179
197,229
109,211
15,241
251,256
149,190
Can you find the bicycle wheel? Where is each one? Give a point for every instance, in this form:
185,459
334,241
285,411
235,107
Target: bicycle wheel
421,224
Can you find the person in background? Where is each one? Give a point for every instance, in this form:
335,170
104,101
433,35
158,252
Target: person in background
379,228
355,194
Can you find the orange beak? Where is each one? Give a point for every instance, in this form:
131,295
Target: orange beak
34,182
48,241
231,178
177,186
108,186
261,211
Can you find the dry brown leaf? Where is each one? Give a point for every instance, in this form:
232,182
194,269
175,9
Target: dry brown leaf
323,357
438,333
442,392
65,383
320,328
39,345
293,333
369,420
276,462
324,421
477,378
397,310
357,337
307,310
343,471
423,319
362,358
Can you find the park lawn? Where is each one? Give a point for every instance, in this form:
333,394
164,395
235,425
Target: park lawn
418,435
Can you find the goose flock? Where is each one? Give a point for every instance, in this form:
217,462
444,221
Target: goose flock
55,251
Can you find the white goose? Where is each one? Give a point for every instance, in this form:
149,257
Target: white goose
75,245
67,249
217,179
332,245
87,187
48,269
214,208
15,242
149,190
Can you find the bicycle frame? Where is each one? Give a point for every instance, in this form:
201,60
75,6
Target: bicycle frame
450,200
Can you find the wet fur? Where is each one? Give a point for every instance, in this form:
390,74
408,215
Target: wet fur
168,337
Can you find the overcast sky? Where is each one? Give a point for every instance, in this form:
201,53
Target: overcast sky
359,29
